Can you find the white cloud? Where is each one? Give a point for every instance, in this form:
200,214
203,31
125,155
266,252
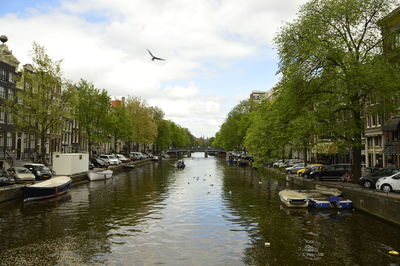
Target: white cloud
105,42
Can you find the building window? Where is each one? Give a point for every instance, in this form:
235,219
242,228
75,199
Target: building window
11,77
2,92
3,74
9,140
2,116
1,140
10,94
396,40
9,119
378,141
373,122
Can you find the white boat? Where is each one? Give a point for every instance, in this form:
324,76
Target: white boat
296,198
101,175
321,197
47,189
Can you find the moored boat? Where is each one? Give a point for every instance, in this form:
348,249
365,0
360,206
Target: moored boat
329,202
47,189
296,198
101,175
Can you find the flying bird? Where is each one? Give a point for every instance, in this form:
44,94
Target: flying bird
154,57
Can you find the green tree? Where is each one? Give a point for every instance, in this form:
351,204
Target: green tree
121,124
42,105
337,45
233,131
92,110
144,127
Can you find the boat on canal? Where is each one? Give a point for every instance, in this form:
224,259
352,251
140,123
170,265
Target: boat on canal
51,188
329,202
297,198
322,197
101,175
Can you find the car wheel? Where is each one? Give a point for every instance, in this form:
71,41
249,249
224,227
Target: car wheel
386,188
367,184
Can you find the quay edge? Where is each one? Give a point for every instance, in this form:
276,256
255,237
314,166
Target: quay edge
377,203
15,191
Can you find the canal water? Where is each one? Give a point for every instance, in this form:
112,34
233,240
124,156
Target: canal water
210,213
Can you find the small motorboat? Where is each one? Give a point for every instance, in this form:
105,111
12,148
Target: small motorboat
47,189
180,164
129,166
296,198
101,175
320,198
330,202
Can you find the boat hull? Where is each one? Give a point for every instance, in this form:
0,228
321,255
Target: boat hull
327,199
47,189
102,175
293,199
328,203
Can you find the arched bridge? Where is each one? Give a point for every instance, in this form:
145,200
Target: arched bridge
177,153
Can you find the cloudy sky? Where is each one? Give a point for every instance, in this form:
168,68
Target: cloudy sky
217,51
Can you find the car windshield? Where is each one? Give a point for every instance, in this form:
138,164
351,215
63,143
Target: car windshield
383,172
112,157
22,170
41,168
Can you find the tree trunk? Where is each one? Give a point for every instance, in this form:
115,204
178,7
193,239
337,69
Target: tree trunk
305,154
90,148
356,163
115,143
43,148
357,145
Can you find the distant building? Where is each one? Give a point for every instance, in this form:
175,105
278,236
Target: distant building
10,141
259,96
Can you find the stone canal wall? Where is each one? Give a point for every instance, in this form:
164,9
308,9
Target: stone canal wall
15,191
374,202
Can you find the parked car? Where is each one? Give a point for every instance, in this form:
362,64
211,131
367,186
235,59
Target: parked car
5,178
369,181
40,171
156,158
112,160
291,162
334,172
122,158
310,169
136,156
277,163
99,163
21,174
389,183
293,169
301,171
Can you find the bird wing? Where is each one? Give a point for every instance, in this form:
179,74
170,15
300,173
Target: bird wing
150,53
157,58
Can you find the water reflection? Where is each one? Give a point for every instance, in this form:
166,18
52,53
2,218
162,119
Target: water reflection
208,214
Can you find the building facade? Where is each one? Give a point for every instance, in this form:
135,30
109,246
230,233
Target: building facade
382,134
11,143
